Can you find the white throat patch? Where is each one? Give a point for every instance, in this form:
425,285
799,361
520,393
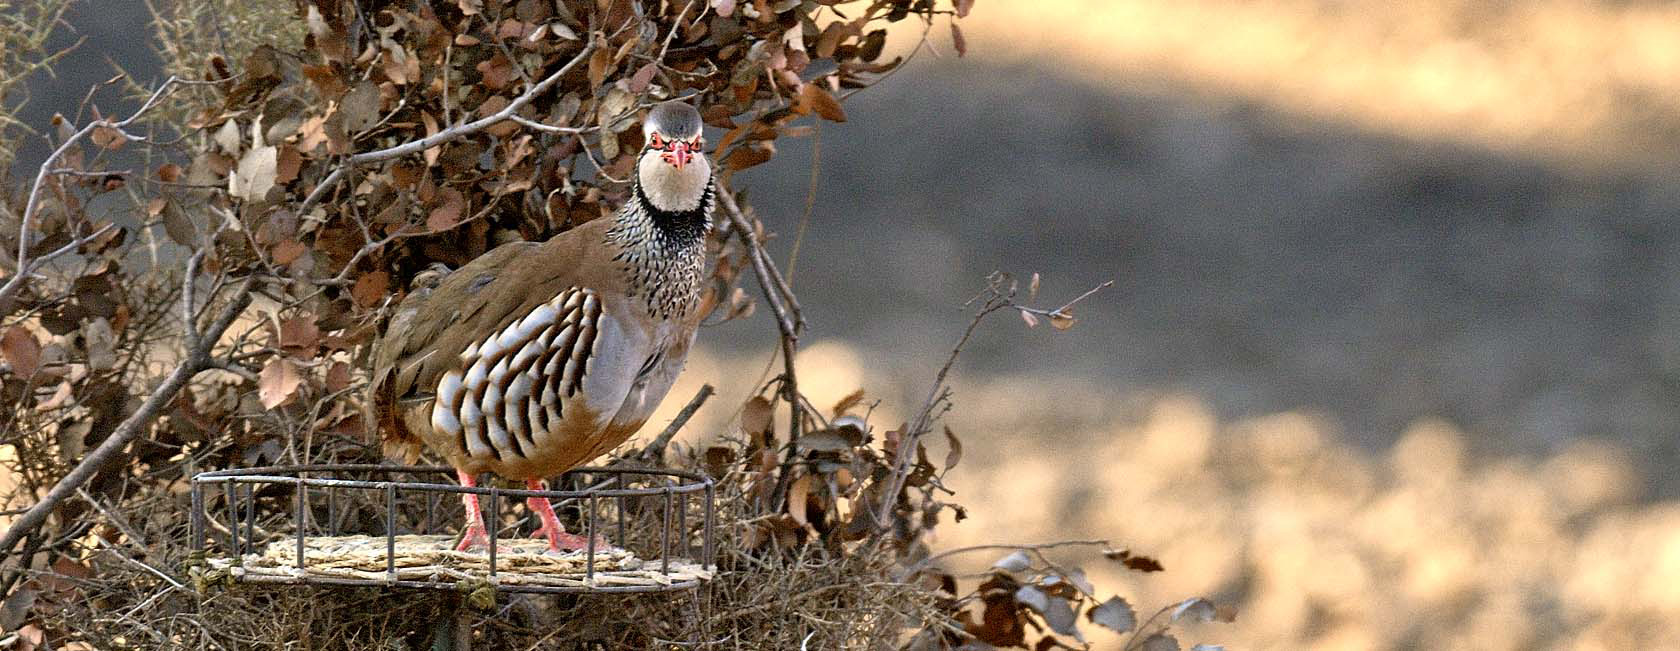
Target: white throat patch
669,188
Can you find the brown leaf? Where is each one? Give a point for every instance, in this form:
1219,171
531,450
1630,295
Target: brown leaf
957,40
1032,321
1132,561
278,383
644,75
963,7
599,61
370,289
955,455
448,212
497,71
169,173
287,165
851,400
812,98
798,499
21,350
287,251
1061,319
108,138
299,336
755,415
177,225
750,154
338,377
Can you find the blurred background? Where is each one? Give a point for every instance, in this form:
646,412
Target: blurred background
1392,354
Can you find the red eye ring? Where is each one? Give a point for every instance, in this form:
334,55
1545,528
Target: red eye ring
657,142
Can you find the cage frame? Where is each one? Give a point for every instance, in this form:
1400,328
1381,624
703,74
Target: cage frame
684,485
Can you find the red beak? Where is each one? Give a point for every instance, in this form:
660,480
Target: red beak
678,155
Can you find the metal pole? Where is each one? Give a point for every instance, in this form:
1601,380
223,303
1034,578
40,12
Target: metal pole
589,553
301,494
494,524
391,532
197,517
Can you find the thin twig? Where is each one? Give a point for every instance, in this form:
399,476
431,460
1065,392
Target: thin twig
655,450
24,266
999,547
445,136
196,359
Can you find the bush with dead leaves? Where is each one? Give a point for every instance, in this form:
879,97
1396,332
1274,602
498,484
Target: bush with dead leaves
196,282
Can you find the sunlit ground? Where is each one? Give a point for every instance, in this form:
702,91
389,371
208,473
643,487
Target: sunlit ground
1319,543
1583,82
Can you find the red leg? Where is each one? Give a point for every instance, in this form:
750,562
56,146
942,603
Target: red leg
475,534
558,539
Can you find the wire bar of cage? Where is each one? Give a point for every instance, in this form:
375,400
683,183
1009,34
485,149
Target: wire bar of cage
241,487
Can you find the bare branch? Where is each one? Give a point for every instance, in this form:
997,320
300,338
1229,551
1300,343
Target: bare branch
25,266
197,359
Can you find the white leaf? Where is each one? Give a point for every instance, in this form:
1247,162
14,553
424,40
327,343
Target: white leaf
1195,609
1059,615
1160,642
1016,561
255,175
1114,614
1077,578
227,137
1033,598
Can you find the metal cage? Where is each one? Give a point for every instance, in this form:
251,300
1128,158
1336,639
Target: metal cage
648,512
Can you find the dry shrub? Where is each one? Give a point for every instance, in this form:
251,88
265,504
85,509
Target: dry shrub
305,165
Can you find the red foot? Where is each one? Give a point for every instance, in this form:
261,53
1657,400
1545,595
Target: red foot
475,537
558,539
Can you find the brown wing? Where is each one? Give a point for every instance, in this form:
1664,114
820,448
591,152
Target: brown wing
431,328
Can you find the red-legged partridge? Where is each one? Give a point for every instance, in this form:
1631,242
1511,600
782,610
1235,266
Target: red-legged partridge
539,356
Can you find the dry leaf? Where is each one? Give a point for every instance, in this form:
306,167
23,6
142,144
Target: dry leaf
338,377
448,212
1115,615
812,98
1160,642
1061,319
287,251
21,350
255,175
755,415
963,7
370,289
957,40
1016,561
1195,609
955,455
108,138
644,75
299,336
851,400
278,382
1032,321
1132,561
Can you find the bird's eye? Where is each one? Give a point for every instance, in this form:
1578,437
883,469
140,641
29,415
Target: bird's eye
658,143
694,144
